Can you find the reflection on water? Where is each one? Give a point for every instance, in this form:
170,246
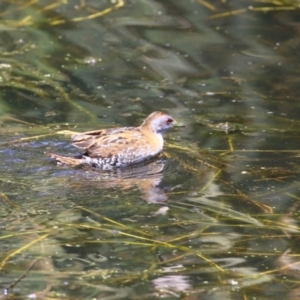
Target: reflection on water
146,177
172,285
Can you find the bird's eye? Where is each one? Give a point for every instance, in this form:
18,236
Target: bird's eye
169,121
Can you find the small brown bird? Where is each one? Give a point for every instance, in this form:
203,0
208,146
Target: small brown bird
119,147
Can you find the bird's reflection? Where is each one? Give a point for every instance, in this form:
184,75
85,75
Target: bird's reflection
146,177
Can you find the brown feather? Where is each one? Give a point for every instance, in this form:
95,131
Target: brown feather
64,160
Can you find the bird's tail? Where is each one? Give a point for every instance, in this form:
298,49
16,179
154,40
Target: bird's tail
65,160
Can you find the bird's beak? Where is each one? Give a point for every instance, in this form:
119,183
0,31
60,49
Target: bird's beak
178,124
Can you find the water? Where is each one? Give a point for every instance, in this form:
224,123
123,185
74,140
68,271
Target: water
215,216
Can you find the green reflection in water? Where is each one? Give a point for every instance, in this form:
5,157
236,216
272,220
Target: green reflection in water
227,221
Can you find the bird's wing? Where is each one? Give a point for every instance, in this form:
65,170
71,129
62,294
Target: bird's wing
86,139
128,141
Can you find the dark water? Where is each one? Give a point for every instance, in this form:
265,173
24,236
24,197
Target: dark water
216,215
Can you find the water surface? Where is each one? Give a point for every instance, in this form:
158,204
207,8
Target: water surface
215,216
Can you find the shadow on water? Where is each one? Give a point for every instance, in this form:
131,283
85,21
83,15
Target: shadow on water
216,215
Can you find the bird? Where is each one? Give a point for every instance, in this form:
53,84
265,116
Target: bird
119,147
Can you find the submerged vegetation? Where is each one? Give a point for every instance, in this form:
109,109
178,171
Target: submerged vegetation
216,213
